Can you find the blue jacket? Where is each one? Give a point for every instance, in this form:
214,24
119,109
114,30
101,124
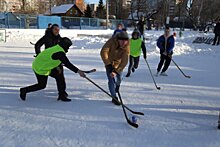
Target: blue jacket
170,44
116,32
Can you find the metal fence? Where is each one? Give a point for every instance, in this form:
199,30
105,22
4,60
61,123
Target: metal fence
22,21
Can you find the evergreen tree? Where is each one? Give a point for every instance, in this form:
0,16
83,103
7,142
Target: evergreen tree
88,11
100,12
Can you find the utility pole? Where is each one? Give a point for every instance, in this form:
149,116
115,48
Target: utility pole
107,14
50,6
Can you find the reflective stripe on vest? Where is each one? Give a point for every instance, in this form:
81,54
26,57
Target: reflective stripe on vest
135,47
43,63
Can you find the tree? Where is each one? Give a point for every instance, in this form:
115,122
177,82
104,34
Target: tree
100,12
88,11
23,5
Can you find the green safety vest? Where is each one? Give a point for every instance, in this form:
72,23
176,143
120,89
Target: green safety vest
43,63
135,47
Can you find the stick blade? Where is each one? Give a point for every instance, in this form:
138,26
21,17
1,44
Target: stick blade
138,113
158,88
132,124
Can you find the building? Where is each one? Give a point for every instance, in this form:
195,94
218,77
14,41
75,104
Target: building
70,10
118,8
80,3
93,7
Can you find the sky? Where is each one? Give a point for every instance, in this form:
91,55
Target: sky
93,1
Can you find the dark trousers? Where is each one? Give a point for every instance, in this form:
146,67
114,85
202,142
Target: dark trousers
167,60
133,63
56,73
216,39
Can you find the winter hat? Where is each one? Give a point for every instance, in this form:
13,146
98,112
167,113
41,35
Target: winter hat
122,35
65,43
136,32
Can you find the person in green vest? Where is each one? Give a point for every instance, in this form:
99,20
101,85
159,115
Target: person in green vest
136,45
43,65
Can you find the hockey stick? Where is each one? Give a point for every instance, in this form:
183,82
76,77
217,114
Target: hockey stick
219,121
180,69
32,43
123,107
134,112
89,71
152,75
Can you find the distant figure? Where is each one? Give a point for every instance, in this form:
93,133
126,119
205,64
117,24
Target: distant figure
136,45
141,26
166,44
118,30
217,33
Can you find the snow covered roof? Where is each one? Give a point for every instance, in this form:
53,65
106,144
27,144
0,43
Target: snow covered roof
61,9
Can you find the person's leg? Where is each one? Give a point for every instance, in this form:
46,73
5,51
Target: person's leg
218,39
57,73
118,81
42,82
131,63
215,39
167,64
162,58
111,84
136,62
61,85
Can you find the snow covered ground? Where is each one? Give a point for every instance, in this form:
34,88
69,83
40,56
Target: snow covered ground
184,113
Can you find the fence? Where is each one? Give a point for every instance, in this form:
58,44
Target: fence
13,20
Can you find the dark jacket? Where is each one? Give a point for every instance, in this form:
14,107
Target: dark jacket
141,26
116,32
48,40
169,44
217,29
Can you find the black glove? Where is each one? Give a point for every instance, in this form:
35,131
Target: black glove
109,67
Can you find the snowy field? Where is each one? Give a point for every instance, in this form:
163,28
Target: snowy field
184,113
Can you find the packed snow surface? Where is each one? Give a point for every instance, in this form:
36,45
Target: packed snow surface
184,113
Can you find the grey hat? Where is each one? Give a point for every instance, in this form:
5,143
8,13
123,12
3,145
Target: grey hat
122,36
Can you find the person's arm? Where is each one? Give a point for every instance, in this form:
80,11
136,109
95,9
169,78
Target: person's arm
171,46
38,44
144,50
63,58
124,61
159,43
105,52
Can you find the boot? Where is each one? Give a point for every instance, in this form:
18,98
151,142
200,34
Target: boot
133,69
163,74
63,98
116,102
23,94
66,94
128,74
